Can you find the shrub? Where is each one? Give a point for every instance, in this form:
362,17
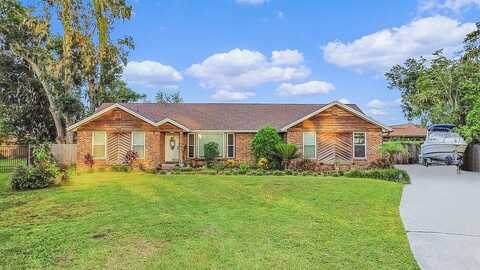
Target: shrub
24,178
390,149
230,163
219,167
262,163
43,172
286,152
260,172
243,168
120,168
130,157
392,174
211,152
151,171
264,143
88,160
381,163
304,165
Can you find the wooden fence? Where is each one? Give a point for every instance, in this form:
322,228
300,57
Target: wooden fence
471,158
64,153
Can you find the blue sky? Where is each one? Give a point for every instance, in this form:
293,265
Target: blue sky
281,51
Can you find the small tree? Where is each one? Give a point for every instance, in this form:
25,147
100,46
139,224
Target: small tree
287,152
390,149
88,160
164,97
264,143
211,152
130,157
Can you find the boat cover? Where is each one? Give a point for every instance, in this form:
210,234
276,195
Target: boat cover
440,127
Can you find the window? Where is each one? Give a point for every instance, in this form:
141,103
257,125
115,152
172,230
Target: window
309,145
359,145
191,145
138,144
204,138
230,145
99,144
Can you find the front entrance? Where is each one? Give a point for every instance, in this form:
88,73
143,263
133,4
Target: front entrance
172,147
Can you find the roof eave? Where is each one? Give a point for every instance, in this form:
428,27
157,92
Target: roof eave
331,104
119,106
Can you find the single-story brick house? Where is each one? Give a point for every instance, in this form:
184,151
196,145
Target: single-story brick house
176,133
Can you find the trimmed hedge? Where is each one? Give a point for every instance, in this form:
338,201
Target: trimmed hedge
393,175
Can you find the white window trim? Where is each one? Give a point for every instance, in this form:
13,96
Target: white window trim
353,146
221,151
226,144
105,145
144,143
315,144
194,145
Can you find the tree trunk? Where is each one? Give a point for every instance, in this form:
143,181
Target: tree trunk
54,111
92,95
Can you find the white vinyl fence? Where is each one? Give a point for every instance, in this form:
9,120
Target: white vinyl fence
64,153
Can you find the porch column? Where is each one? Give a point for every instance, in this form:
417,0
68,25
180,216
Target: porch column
180,148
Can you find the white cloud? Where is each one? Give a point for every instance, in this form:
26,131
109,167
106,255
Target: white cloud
344,101
232,95
447,5
150,74
308,88
241,69
381,50
252,2
377,104
377,107
377,112
287,57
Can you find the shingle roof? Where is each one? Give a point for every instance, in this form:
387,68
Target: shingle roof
225,116
408,130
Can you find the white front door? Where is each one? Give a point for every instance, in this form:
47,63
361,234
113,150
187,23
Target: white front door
172,147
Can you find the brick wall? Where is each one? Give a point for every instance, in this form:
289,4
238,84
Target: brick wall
374,140
243,152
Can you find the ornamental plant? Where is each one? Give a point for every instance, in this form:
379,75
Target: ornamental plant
130,157
211,152
390,149
230,163
88,160
264,143
262,163
41,174
287,152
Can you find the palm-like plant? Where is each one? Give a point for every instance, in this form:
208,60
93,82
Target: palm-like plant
287,152
390,149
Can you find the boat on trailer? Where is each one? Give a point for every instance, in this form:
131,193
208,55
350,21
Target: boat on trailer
443,146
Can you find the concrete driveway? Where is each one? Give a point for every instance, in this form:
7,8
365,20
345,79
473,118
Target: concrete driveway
441,214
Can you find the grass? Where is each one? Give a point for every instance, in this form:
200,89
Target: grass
141,221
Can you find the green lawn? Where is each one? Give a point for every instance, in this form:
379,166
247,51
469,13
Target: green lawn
142,221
